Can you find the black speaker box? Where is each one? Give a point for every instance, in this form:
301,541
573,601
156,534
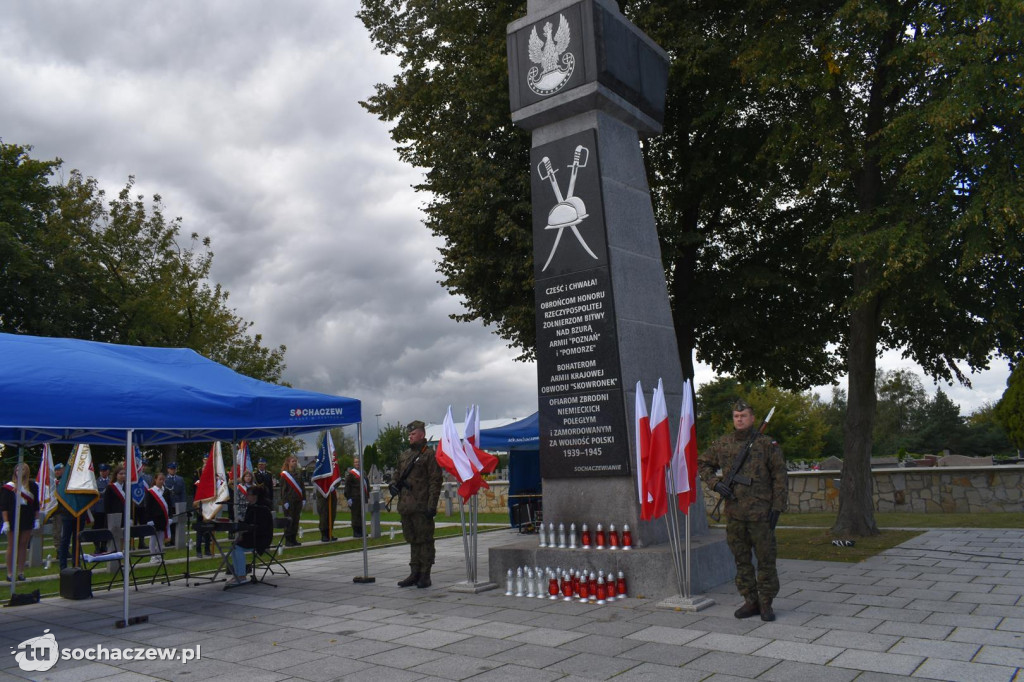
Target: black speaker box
76,583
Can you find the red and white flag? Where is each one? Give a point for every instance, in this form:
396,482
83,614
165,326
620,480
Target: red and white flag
47,483
212,488
643,453
242,461
452,458
660,453
482,461
684,459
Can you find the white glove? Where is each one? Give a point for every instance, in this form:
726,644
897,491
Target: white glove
150,523
349,502
35,526
285,505
6,527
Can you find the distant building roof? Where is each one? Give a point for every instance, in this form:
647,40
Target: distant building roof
434,430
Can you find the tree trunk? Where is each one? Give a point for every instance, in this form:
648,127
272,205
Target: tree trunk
856,504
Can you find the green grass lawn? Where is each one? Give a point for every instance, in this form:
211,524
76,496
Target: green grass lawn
800,536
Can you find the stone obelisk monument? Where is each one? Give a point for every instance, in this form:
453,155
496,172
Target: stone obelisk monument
589,84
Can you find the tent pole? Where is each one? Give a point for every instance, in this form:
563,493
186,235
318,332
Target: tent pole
13,543
126,522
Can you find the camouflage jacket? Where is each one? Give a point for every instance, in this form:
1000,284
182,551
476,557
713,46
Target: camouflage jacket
423,484
764,466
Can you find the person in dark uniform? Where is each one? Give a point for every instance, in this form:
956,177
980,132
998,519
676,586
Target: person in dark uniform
355,492
752,511
418,486
266,479
20,491
293,496
99,510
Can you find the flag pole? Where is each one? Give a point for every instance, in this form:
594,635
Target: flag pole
476,509
465,538
672,522
365,577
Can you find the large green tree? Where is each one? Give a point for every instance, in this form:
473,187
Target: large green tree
1010,410
75,263
835,178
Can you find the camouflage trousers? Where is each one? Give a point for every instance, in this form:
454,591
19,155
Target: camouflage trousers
755,538
418,530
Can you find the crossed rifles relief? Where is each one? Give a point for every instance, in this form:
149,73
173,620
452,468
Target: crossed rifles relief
570,211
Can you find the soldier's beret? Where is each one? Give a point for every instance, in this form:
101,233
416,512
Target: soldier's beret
263,460
741,405
104,467
172,465
416,425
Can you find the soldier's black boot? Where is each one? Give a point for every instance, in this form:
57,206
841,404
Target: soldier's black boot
766,610
749,608
413,579
424,580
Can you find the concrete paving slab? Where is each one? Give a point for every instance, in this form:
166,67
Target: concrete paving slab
959,618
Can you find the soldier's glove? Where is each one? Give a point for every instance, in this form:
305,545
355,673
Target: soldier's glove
5,528
394,489
725,491
349,502
286,506
773,518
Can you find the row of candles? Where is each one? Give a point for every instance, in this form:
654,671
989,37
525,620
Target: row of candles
567,585
601,539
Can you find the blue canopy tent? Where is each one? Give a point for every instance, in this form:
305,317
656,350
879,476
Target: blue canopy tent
73,391
522,441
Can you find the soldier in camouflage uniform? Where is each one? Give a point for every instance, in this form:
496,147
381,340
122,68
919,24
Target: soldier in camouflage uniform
417,503
754,509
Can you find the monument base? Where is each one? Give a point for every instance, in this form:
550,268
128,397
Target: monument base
467,587
649,571
687,604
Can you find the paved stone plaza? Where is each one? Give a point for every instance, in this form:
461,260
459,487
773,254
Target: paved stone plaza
947,606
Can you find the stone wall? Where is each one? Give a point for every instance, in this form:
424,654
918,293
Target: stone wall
918,490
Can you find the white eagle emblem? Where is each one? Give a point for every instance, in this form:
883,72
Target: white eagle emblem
556,64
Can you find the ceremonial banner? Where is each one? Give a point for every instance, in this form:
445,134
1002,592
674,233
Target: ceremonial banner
45,479
139,486
212,489
326,474
77,490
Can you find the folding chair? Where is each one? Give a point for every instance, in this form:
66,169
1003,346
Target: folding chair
136,556
91,561
266,560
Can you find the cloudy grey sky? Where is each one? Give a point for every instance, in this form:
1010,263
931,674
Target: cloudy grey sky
244,116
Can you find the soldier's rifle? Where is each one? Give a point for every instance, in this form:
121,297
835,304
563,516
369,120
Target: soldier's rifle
725,487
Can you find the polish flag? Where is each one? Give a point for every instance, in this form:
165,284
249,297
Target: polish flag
660,453
684,459
482,461
452,458
643,451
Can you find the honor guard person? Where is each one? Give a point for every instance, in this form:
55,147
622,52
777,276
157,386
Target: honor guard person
293,496
266,479
753,511
354,497
418,487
